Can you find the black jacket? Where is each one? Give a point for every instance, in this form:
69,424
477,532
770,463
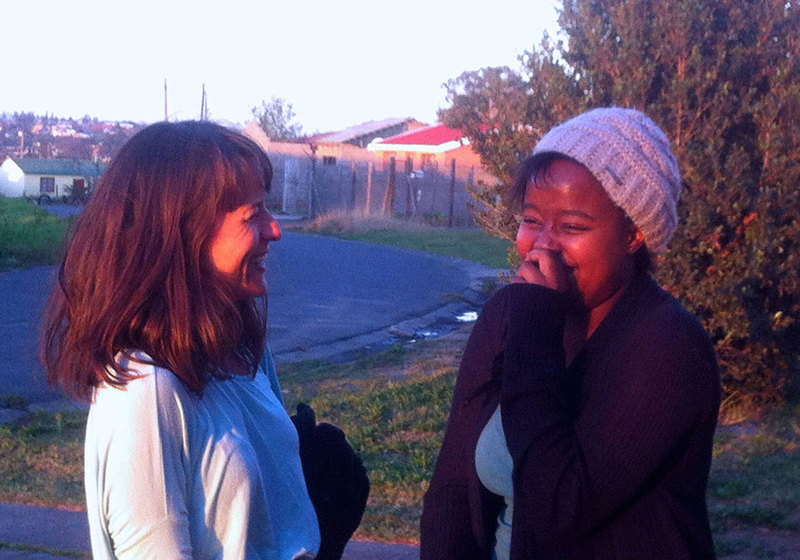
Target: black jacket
611,455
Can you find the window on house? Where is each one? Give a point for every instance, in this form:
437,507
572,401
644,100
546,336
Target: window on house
328,160
47,184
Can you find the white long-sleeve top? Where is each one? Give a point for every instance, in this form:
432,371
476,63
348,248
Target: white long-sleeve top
173,475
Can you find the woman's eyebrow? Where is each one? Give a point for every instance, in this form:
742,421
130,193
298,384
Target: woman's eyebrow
578,214
573,212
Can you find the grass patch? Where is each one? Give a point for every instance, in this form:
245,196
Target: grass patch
472,244
41,460
302,381
755,480
395,418
29,236
469,244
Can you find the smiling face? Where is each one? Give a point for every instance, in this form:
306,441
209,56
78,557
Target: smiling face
570,223
240,243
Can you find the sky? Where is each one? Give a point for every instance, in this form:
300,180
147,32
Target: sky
338,62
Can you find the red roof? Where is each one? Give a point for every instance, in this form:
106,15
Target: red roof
434,135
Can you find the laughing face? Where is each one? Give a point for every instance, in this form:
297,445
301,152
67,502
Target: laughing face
240,243
573,238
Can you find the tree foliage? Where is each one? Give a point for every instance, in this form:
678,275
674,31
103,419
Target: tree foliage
490,107
276,119
722,79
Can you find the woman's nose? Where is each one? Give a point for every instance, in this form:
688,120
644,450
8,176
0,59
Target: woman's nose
272,230
546,240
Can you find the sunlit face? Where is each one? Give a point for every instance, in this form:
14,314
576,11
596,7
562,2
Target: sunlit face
568,213
240,243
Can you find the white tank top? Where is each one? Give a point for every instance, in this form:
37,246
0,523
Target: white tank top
495,466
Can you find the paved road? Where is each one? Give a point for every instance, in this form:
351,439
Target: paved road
322,290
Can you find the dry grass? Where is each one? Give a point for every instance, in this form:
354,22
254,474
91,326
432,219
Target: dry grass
342,223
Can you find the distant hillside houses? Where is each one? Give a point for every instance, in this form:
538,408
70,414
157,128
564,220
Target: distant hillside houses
26,135
62,130
48,180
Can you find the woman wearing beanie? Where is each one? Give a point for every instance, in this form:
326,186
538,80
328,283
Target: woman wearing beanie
586,402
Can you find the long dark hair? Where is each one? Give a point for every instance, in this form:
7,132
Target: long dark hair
136,276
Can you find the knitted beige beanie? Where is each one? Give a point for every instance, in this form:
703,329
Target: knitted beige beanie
631,157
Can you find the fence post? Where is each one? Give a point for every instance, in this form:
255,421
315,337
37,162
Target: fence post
409,169
388,198
352,206
452,191
368,204
313,201
291,179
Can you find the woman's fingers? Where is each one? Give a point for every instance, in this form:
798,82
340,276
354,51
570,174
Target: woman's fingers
546,268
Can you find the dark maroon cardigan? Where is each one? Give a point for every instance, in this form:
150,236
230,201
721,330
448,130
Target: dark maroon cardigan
611,455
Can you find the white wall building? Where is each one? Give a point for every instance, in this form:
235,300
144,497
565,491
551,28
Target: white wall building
46,179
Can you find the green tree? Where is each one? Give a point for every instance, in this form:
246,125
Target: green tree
275,117
722,78
490,107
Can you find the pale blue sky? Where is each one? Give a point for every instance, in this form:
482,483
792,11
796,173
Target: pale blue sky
339,62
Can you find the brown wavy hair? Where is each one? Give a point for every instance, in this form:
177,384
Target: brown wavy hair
136,275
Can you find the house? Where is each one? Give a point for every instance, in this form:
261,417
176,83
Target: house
431,148
46,179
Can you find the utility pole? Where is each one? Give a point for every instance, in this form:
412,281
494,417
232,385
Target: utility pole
166,114
203,105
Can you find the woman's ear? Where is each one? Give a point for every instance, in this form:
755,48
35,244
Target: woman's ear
636,240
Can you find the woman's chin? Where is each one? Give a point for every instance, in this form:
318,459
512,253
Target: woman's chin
251,290
259,290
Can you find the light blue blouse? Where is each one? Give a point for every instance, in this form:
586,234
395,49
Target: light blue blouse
172,475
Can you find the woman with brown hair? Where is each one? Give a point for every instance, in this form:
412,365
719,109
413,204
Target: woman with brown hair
584,409
159,320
